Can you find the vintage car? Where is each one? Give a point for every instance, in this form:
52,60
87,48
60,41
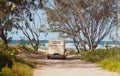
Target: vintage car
56,49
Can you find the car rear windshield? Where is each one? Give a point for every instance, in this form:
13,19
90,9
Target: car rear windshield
56,42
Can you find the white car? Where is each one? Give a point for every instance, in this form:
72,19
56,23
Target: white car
56,49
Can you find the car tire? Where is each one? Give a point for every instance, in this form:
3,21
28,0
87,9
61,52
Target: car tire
64,57
48,57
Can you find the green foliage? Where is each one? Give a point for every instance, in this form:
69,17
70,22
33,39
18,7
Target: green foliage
6,56
10,65
107,59
112,64
20,69
2,46
7,72
4,60
26,62
93,56
99,54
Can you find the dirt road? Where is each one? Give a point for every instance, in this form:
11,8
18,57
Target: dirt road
72,66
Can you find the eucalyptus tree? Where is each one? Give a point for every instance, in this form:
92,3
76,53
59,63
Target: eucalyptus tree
14,13
87,22
31,27
6,20
117,10
29,21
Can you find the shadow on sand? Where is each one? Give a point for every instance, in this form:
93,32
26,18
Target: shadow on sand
70,62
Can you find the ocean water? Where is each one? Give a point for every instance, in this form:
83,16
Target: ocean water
68,44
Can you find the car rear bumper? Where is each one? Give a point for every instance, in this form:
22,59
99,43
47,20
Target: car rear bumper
56,56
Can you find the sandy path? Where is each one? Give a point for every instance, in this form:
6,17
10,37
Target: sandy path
72,66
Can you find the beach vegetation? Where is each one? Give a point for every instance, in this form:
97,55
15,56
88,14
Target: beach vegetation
108,59
18,69
8,61
112,64
10,65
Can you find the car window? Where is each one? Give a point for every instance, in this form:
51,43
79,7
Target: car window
56,42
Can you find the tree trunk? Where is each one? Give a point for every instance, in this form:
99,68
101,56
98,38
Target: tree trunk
3,37
76,45
78,50
93,47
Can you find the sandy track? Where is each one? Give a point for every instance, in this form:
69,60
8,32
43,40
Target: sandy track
72,66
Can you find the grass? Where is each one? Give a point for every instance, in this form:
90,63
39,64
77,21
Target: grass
109,60
26,62
18,69
112,64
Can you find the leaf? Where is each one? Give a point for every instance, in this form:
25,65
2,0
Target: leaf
13,7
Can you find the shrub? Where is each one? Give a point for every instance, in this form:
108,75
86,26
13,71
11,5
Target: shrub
108,59
20,69
26,62
6,72
5,59
9,66
7,54
111,64
92,56
99,54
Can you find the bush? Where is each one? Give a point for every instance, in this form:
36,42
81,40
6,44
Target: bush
20,69
108,59
6,72
93,56
26,62
99,54
6,58
112,64
9,66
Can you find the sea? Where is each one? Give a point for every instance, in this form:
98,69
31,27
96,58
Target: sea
68,44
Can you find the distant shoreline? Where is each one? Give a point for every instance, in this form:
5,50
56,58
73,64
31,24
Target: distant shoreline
68,44
14,42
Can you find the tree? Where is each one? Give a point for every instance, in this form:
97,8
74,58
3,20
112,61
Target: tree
114,36
10,9
87,22
28,21
6,20
7,9
117,19
31,28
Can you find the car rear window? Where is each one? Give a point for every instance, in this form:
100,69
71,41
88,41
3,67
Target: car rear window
56,42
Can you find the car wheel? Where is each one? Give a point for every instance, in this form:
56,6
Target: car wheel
48,57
